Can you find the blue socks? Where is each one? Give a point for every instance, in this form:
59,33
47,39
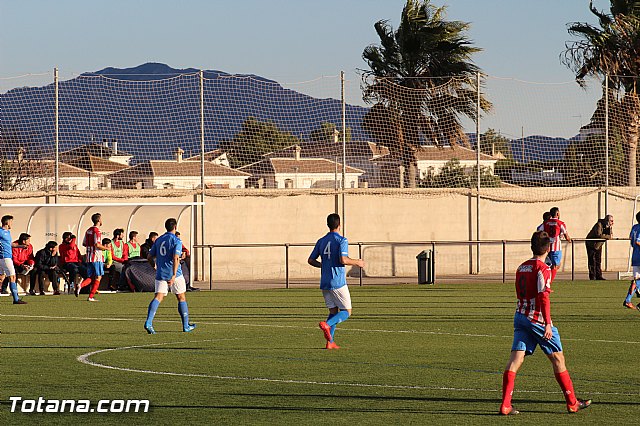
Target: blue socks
337,318
183,310
13,287
631,291
151,312
333,327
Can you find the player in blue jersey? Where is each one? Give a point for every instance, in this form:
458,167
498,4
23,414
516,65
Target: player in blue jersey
333,249
164,256
634,236
6,259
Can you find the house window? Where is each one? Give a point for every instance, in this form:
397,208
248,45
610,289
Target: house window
288,183
168,185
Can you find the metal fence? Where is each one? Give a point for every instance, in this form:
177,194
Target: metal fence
502,275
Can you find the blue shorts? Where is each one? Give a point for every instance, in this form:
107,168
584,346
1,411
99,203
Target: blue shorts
527,335
95,269
554,258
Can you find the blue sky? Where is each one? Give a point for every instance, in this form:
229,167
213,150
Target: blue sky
285,40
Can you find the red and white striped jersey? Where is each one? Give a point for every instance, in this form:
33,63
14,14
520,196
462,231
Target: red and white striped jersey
533,278
92,237
556,229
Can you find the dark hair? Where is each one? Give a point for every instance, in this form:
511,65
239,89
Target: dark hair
540,242
152,234
66,235
333,221
106,241
554,211
170,224
638,217
5,219
95,218
117,232
132,234
24,237
51,244
546,216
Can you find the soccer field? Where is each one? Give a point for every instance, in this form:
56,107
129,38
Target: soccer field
423,355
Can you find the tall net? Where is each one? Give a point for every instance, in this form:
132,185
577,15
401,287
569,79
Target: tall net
121,131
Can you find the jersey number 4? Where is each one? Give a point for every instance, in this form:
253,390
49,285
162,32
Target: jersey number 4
327,250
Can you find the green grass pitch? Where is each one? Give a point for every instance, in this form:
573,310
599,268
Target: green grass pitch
410,355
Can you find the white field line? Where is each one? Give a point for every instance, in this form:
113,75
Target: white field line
84,359
342,330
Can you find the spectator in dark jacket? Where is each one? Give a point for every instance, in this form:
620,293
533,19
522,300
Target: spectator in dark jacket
71,259
23,260
601,230
46,264
146,246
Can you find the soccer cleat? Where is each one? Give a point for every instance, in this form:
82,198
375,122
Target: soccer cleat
638,306
326,329
149,328
189,328
332,345
579,405
628,305
19,302
508,411
91,299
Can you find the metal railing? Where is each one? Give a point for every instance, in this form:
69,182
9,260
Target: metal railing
361,244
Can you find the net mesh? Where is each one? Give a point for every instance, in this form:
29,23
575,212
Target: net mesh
128,132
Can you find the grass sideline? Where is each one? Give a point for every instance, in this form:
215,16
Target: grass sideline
410,354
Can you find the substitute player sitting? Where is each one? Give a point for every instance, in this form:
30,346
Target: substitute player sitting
333,249
165,257
533,327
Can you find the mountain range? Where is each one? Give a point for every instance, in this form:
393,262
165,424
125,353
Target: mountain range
152,109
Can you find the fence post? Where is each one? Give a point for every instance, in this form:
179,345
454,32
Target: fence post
57,132
344,149
573,261
433,261
211,267
504,261
478,137
286,264
360,257
202,183
606,175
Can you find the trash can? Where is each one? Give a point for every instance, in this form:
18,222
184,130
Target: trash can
425,267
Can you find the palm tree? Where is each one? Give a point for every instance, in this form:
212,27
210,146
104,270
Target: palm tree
421,82
611,51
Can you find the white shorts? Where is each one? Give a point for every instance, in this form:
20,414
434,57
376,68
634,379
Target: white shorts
6,267
338,298
179,286
636,272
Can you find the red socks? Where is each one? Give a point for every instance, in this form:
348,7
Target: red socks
94,287
564,380
84,283
553,274
508,382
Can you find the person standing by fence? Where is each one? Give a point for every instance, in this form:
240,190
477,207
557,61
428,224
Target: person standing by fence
601,230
